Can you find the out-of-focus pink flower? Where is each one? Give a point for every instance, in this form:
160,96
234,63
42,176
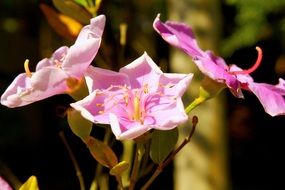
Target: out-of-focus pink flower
61,73
4,185
182,37
136,99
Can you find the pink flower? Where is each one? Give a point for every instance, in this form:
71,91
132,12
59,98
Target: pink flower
182,37
59,74
270,96
4,185
136,99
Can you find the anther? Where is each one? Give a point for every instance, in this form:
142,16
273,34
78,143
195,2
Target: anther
254,67
126,99
145,88
27,69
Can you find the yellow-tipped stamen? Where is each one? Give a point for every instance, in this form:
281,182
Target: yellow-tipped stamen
145,88
137,108
27,69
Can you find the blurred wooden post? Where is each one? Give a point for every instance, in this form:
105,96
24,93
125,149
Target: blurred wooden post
202,164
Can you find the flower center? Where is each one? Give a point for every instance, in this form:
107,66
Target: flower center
124,98
254,67
132,104
27,69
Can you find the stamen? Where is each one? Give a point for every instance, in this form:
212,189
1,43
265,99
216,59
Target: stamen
57,63
27,69
137,108
254,67
145,88
126,99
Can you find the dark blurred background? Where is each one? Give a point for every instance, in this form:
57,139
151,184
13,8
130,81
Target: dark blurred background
29,140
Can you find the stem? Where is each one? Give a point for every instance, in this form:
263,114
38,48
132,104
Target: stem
99,167
128,150
75,164
146,168
120,182
163,164
135,169
194,104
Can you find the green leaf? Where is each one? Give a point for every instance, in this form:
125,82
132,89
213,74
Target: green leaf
78,125
102,152
162,144
73,10
81,2
119,168
30,184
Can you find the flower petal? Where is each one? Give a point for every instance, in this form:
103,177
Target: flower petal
174,84
169,117
58,55
11,97
133,130
178,35
270,96
182,37
4,184
24,90
98,78
81,54
215,68
142,71
89,109
93,30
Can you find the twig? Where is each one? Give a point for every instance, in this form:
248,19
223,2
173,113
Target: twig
135,169
162,165
75,164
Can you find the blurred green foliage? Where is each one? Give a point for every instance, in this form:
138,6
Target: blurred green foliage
251,22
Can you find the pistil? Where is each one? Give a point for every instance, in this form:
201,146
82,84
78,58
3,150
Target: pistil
137,113
254,67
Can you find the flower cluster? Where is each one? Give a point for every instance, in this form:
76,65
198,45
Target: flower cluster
134,100
137,99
